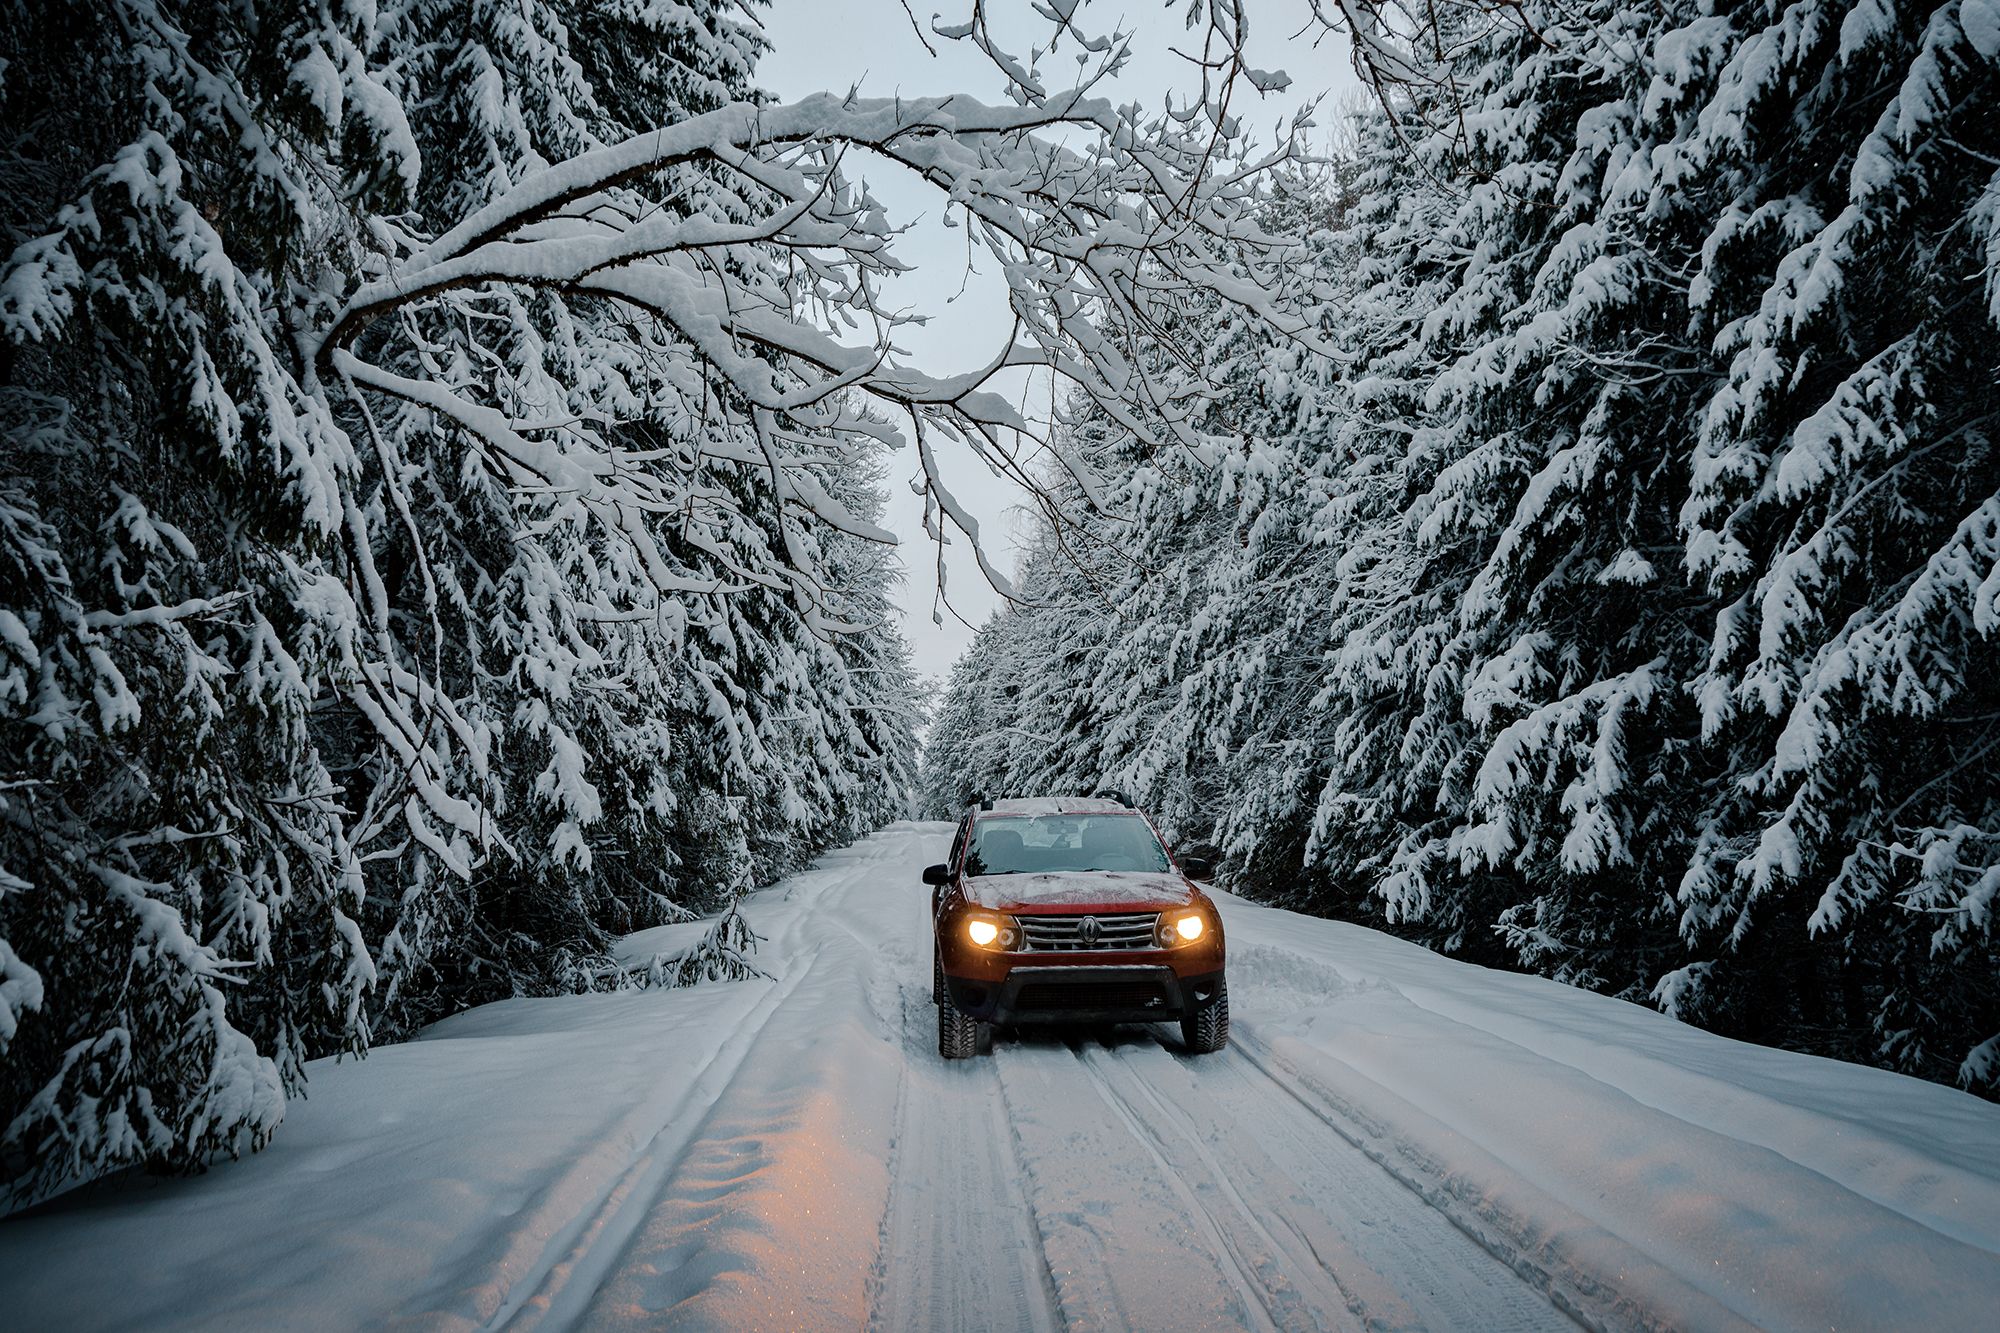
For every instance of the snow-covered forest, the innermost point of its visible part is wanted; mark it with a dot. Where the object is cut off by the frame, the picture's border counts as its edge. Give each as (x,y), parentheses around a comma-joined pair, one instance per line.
(1617,598)
(438,534)
(349,680)
(446,444)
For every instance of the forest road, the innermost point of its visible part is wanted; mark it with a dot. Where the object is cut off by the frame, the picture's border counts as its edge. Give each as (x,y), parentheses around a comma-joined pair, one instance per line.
(1099,1179)
(1392,1139)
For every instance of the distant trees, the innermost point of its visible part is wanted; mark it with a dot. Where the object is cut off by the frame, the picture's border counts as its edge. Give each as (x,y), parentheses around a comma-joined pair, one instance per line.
(1615,603)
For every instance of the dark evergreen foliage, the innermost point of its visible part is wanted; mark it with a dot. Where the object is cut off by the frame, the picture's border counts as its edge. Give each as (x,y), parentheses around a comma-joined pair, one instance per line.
(316,725)
(1620,608)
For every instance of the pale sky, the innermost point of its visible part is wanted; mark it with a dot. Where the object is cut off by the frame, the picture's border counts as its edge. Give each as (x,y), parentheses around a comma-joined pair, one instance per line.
(832,45)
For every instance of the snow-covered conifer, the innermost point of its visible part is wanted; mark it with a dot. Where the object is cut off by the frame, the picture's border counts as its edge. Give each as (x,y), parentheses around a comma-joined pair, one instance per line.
(1615,605)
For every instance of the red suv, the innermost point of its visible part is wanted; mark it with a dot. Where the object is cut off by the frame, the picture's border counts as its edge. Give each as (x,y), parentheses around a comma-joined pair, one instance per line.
(1069,910)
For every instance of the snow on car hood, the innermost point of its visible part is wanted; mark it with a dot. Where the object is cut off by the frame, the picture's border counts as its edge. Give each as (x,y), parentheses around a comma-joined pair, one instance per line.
(1077,888)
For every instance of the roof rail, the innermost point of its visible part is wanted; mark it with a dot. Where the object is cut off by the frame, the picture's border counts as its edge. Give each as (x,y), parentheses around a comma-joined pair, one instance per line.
(1117,796)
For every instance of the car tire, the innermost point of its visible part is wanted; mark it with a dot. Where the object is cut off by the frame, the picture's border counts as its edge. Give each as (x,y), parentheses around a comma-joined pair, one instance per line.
(958,1031)
(1206,1030)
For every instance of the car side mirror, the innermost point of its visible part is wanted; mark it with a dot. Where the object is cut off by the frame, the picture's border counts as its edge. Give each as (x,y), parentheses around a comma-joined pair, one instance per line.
(937,875)
(1198,867)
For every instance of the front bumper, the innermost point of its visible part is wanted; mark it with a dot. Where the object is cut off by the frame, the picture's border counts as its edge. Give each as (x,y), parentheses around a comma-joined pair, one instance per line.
(1102,993)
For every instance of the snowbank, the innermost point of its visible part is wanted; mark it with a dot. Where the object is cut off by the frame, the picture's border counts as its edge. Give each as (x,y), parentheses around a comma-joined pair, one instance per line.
(1656,1169)
(423,1180)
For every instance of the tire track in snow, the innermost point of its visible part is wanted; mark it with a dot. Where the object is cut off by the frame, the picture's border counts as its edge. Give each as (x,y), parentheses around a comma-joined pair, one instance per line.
(581,1254)
(1303,1288)
(959,1246)
(1271,1299)
(1531,1247)
(1401,1266)
(1128,1244)
(587,1249)
(1575,1296)
(938,1265)
(773,1218)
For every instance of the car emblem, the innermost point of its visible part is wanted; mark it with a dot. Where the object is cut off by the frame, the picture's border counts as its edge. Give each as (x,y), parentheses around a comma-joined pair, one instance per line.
(1088,930)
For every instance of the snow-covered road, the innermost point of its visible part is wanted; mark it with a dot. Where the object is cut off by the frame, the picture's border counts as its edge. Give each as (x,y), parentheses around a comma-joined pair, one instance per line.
(1393,1140)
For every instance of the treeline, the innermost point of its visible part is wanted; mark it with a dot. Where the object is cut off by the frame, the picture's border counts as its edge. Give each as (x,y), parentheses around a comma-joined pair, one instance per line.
(326,712)
(1620,600)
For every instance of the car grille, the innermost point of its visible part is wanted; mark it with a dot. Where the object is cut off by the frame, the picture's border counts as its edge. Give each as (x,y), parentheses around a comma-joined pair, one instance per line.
(1071,934)
(1091,996)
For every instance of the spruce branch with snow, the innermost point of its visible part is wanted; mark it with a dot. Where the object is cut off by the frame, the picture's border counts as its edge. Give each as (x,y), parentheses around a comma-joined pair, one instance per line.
(1619,608)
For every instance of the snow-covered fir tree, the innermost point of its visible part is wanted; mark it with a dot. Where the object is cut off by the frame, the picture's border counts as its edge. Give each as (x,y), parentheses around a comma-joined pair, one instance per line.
(182,893)
(1616,606)
(326,723)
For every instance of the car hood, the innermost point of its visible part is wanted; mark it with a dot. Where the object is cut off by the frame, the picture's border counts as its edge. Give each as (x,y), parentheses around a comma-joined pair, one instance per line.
(1063,891)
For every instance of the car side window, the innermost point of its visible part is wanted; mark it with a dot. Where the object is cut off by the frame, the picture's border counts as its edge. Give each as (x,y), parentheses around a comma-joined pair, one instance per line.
(958,842)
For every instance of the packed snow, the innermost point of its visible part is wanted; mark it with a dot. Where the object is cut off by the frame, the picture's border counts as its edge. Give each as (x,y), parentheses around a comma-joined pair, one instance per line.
(1395,1139)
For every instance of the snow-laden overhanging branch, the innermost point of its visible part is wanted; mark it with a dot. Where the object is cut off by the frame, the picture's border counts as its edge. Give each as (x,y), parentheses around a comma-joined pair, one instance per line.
(772,292)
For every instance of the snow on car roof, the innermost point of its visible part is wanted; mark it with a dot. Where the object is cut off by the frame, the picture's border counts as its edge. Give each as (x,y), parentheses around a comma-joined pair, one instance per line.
(1058,805)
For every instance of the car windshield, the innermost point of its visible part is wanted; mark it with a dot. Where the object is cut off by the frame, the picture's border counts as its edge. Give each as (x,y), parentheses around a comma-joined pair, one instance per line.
(1034,844)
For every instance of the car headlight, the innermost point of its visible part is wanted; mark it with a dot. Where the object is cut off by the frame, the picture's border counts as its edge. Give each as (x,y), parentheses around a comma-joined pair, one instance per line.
(991,932)
(1181,928)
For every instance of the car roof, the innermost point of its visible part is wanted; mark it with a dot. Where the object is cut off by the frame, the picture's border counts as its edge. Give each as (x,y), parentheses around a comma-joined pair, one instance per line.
(1058,805)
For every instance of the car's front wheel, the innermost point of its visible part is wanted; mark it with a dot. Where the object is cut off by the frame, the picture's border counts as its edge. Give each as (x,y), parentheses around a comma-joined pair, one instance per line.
(958,1031)
(1206,1030)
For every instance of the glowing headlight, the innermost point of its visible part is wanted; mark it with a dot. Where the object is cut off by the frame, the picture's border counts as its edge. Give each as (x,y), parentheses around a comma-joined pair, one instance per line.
(989,933)
(1185,928)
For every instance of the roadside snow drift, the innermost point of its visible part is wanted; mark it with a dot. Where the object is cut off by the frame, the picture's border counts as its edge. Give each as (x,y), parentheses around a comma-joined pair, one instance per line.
(1395,1140)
